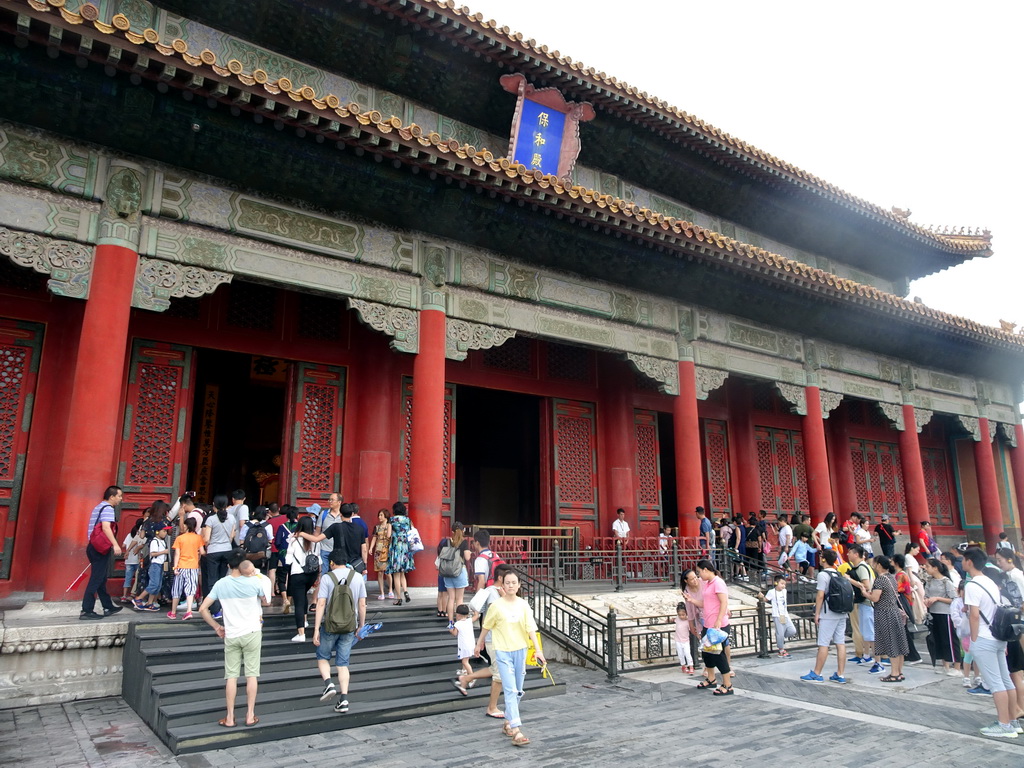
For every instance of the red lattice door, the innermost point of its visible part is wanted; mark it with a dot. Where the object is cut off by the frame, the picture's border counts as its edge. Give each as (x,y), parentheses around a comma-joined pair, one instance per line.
(936,484)
(878,479)
(648,473)
(781,470)
(312,444)
(157,413)
(448,449)
(20,346)
(574,466)
(716,466)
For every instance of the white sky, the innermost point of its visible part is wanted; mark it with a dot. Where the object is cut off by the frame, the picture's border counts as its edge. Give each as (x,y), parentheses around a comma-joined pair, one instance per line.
(906,103)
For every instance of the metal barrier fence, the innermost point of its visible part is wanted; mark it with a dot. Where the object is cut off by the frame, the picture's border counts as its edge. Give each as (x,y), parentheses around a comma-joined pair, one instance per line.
(617,644)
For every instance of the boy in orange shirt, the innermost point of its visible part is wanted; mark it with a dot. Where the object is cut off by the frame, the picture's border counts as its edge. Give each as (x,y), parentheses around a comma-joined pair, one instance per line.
(187,549)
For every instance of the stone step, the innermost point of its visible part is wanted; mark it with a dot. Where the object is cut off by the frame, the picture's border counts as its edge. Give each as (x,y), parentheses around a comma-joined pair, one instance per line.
(184,739)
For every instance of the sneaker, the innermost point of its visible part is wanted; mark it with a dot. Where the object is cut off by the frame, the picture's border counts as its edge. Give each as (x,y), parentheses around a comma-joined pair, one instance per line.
(866,660)
(1000,731)
(978,682)
(341,707)
(1017,726)
(915,661)
(876,669)
(187,616)
(811,677)
(885,662)
(89,616)
(153,608)
(218,615)
(967,682)
(138,606)
(980,690)
(954,673)
(299,639)
(330,691)
(835,678)
(172,615)
(855,659)
(112,610)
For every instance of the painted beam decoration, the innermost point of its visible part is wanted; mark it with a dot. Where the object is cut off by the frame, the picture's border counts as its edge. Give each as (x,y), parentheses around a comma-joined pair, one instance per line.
(546,128)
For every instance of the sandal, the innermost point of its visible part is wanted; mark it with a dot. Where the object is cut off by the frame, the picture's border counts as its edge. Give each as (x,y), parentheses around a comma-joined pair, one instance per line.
(723,690)
(507,730)
(890,679)
(900,678)
(520,740)
(398,602)
(706,684)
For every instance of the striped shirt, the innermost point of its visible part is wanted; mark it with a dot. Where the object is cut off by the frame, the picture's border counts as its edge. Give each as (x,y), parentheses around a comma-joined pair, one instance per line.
(101,513)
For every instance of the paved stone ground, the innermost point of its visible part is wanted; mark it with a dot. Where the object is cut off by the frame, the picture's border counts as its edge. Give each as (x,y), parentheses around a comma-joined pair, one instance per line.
(653,717)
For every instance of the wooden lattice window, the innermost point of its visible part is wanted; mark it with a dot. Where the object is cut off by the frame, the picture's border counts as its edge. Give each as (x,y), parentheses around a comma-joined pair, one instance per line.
(514,356)
(252,306)
(566,362)
(320,318)
(878,479)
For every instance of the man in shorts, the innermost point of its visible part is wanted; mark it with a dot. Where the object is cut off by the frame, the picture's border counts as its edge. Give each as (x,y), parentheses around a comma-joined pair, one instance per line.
(862,620)
(337,646)
(831,626)
(240,599)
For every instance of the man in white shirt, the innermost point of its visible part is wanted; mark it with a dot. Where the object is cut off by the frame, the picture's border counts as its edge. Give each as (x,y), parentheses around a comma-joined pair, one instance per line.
(981,596)
(242,632)
(620,528)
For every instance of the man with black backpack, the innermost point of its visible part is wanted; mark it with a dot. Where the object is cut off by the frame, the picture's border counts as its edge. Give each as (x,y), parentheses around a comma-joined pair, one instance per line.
(340,612)
(832,605)
(988,642)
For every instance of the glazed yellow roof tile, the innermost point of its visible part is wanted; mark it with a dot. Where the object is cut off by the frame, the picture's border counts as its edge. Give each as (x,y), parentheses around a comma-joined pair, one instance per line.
(663,228)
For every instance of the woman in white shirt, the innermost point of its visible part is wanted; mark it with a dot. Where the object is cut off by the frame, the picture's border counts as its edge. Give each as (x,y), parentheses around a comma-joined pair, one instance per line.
(299,581)
(823,531)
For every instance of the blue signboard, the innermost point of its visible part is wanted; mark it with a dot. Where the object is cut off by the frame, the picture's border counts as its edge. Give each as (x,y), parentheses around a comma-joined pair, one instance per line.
(539,140)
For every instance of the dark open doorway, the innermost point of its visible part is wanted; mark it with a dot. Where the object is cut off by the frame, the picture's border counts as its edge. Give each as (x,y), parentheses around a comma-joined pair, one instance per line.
(497,457)
(237,425)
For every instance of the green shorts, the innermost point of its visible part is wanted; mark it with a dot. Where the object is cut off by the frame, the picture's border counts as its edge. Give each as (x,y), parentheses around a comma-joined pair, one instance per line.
(245,648)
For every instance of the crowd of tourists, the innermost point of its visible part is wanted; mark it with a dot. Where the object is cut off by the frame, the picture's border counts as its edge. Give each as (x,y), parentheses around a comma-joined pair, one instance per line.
(233,561)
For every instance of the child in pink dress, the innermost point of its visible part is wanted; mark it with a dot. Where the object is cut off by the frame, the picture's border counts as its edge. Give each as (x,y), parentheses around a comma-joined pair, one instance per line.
(683,630)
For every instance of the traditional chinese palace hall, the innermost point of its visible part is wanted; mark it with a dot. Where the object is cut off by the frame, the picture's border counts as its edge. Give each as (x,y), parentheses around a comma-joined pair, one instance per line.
(396,249)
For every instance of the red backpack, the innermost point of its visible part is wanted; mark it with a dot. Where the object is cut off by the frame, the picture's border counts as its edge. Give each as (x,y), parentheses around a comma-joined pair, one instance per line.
(493,560)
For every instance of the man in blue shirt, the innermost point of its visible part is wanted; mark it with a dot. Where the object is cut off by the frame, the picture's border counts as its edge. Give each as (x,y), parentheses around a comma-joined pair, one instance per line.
(705,528)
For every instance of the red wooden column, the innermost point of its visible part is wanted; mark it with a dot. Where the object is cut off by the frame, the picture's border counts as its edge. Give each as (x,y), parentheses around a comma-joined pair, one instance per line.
(376,403)
(846,488)
(619,448)
(1017,465)
(427,452)
(686,430)
(94,417)
(913,473)
(741,432)
(988,488)
(819,484)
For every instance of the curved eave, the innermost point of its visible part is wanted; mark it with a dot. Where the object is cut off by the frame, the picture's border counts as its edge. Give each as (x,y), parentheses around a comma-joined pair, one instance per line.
(300,107)
(616,96)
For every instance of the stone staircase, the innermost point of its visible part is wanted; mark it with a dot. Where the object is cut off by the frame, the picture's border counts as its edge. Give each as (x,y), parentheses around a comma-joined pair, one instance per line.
(173,678)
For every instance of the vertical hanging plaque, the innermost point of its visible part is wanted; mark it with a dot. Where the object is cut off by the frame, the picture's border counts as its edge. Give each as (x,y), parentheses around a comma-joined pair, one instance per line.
(546,128)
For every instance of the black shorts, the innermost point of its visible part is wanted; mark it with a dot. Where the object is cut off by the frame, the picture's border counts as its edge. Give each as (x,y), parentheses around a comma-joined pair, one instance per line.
(1014,656)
